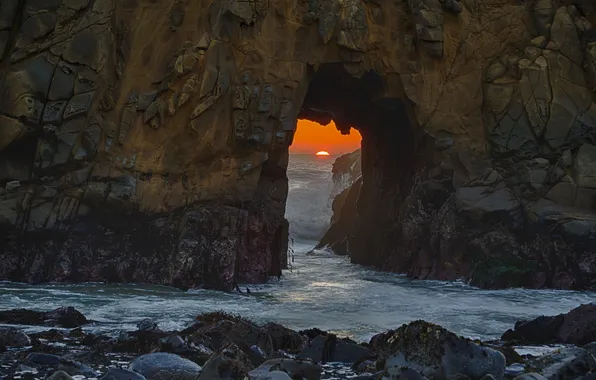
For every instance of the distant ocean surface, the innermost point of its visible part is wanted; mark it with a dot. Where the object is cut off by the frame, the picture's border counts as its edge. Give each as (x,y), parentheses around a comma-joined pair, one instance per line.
(321,290)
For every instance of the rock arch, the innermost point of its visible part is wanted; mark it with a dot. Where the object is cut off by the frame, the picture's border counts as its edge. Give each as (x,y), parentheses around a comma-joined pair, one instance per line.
(154,136)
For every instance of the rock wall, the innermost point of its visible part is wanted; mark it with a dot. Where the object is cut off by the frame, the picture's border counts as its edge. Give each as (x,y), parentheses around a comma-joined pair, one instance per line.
(147,140)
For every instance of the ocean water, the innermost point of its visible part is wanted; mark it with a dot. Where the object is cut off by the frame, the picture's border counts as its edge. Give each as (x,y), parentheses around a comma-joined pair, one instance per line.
(321,290)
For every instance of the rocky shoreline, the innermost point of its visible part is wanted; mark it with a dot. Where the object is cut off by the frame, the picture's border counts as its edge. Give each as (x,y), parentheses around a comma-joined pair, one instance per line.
(220,346)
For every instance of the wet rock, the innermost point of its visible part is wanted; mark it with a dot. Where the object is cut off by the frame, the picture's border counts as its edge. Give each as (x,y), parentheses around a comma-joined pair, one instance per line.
(345,352)
(401,373)
(43,359)
(567,363)
(576,327)
(165,366)
(330,349)
(75,368)
(147,325)
(122,374)
(174,342)
(274,375)
(591,347)
(223,367)
(221,329)
(60,375)
(538,331)
(12,337)
(530,376)
(436,352)
(297,369)
(68,317)
(284,338)
(514,369)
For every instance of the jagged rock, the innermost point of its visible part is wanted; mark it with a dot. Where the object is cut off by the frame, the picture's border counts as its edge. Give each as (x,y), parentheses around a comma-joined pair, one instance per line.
(284,338)
(330,349)
(436,352)
(11,337)
(575,327)
(164,366)
(230,364)
(461,81)
(566,363)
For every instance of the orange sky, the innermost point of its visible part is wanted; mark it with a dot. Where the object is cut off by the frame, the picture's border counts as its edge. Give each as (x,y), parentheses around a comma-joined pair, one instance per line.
(312,137)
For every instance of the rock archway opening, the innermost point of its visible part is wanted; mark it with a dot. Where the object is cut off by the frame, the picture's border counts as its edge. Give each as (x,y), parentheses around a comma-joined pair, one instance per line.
(393,148)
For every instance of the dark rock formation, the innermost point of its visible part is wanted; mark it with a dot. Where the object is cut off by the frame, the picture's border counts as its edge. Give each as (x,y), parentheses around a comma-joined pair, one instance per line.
(67,317)
(150,143)
(436,353)
(11,337)
(576,327)
(222,347)
(347,181)
(568,363)
(164,366)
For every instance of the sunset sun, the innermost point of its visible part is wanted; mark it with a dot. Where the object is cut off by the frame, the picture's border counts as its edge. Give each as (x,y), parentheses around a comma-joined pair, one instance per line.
(322,153)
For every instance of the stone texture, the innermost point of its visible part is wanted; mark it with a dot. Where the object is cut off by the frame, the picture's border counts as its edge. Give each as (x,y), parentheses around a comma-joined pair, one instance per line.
(100,125)
(436,353)
(165,366)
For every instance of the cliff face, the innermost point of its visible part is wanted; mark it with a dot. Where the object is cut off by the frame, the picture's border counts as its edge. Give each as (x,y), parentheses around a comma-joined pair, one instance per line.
(147,141)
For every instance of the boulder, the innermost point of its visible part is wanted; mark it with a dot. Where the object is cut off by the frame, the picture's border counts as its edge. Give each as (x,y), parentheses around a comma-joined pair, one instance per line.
(301,369)
(401,373)
(575,327)
(274,375)
(122,374)
(165,366)
(43,359)
(60,375)
(329,348)
(541,330)
(147,325)
(564,364)
(284,338)
(67,317)
(436,353)
(227,365)
(530,376)
(219,330)
(75,368)
(12,337)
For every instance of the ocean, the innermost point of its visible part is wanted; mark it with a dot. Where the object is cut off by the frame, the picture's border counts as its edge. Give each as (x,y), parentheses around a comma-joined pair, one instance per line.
(320,290)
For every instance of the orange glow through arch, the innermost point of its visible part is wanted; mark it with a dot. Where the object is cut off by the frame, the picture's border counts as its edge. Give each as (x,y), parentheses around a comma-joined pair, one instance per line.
(312,137)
